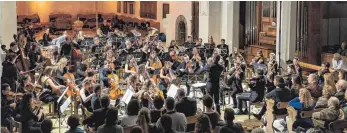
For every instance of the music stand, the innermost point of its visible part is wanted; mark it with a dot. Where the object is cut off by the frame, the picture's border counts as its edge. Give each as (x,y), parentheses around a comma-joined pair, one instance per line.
(62,109)
(201,50)
(223,52)
(193,79)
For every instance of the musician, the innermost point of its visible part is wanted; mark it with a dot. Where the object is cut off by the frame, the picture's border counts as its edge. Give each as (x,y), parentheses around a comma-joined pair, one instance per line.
(14,48)
(197,59)
(81,72)
(297,66)
(99,115)
(183,65)
(9,71)
(235,78)
(28,119)
(272,66)
(58,41)
(223,47)
(257,85)
(342,51)
(103,73)
(7,106)
(34,56)
(130,66)
(145,93)
(324,70)
(99,33)
(198,43)
(214,72)
(87,93)
(259,58)
(3,48)
(128,48)
(96,46)
(165,77)
(46,39)
(29,33)
(105,28)
(153,63)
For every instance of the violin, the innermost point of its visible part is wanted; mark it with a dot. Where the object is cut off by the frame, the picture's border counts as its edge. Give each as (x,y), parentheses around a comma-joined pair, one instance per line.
(71,84)
(15,97)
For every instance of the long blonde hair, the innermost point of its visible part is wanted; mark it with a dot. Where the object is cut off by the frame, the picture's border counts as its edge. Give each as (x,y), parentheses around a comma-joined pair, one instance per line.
(305,97)
(143,119)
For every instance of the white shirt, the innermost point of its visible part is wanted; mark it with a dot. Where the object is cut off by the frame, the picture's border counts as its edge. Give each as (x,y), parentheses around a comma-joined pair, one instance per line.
(337,65)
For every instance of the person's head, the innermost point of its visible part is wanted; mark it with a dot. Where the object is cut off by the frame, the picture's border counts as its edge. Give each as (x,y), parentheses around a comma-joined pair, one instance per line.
(343,45)
(328,91)
(195,50)
(181,93)
(327,65)
(5,88)
(73,121)
(14,46)
(105,101)
(296,80)
(216,58)
(46,126)
(168,64)
(312,78)
(143,119)
(260,72)
(272,56)
(65,33)
(222,41)
(346,95)
(260,53)
(189,38)
(291,68)
(210,39)
(3,47)
(203,124)
(207,101)
(186,58)
(341,85)
(279,81)
(258,130)
(105,22)
(11,57)
(133,107)
(47,31)
(136,129)
(305,97)
(329,80)
(337,56)
(296,61)
(87,84)
(342,75)
(166,122)
(131,59)
(334,102)
(158,102)
(229,115)
(170,103)
(111,117)
(27,101)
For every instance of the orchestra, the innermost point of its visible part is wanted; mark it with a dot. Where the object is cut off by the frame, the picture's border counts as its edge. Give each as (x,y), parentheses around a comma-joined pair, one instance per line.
(141,65)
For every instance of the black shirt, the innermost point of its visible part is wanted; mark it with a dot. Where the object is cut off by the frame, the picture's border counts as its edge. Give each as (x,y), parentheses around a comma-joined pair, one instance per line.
(214,118)
(235,128)
(155,115)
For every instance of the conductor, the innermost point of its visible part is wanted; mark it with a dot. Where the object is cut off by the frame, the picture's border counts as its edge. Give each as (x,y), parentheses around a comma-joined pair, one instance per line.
(214,72)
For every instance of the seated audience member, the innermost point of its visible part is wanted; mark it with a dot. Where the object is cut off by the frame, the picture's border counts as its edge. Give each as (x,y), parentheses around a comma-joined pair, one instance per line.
(187,106)
(255,95)
(344,104)
(46,126)
(342,50)
(341,86)
(98,116)
(166,124)
(132,111)
(322,102)
(325,69)
(338,63)
(179,120)
(342,75)
(331,113)
(157,111)
(313,87)
(210,112)
(203,124)
(296,86)
(73,122)
(302,103)
(27,117)
(136,129)
(258,130)
(111,125)
(279,94)
(143,121)
(230,127)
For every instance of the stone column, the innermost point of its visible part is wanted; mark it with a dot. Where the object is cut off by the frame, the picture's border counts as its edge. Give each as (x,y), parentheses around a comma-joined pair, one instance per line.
(230,22)
(204,15)
(8,21)
(286,31)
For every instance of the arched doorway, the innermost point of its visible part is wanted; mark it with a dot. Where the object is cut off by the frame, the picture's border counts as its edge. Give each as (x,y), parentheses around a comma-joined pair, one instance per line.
(181,29)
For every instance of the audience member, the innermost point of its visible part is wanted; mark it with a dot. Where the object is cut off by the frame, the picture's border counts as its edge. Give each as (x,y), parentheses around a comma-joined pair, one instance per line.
(296,86)
(157,111)
(258,130)
(46,126)
(344,104)
(179,120)
(342,75)
(338,63)
(133,109)
(342,50)
(73,122)
(331,113)
(322,102)
(136,129)
(143,121)
(303,103)
(98,116)
(231,127)
(313,87)
(203,124)
(341,86)
(111,125)
(210,112)
(166,124)
(187,106)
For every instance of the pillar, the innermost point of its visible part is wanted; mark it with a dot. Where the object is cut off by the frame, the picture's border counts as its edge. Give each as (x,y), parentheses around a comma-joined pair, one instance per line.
(286,31)
(8,22)
(210,20)
(230,23)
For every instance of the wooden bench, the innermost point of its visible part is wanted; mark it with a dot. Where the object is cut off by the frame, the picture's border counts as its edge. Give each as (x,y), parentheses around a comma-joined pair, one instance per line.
(270,117)
(292,113)
(17,126)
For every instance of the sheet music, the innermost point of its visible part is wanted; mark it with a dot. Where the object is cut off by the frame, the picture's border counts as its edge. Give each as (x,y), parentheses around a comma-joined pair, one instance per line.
(127,96)
(62,95)
(197,85)
(65,105)
(172,91)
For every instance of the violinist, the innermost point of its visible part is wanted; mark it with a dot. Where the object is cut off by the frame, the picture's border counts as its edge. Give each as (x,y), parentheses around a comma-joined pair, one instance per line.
(33,89)
(29,120)
(81,72)
(224,47)
(235,78)
(165,77)
(46,39)
(107,68)
(198,43)
(153,63)
(196,59)
(132,84)
(259,58)
(288,75)
(145,93)
(9,71)
(34,56)
(66,48)
(7,106)
(87,93)
(96,98)
(128,48)
(95,48)
(143,73)
(183,65)
(130,66)
(272,66)
(61,70)
(49,83)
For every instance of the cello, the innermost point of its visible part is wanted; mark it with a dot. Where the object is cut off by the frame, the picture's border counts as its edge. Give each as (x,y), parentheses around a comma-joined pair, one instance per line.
(72,91)
(115,91)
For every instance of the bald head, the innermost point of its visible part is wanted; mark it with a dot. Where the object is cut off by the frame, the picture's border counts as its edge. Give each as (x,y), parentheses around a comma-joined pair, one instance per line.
(341,85)
(333,102)
(312,78)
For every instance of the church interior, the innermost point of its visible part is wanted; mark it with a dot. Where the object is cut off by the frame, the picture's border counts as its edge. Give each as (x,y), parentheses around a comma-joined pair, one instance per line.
(173,66)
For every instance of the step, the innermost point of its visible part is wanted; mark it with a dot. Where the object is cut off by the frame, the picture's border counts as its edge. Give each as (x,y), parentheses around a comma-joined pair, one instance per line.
(268,40)
(271,34)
